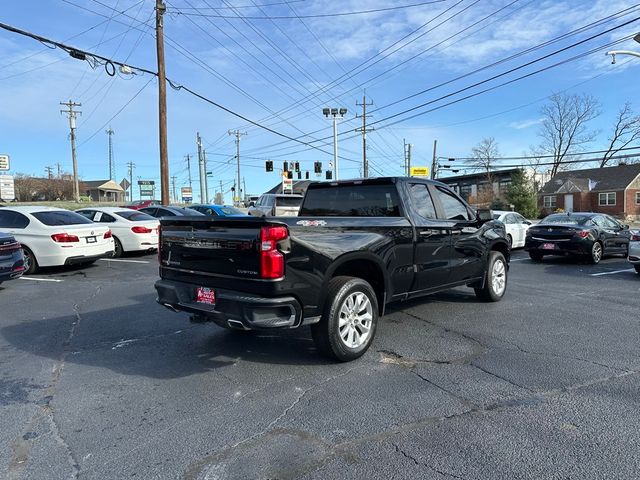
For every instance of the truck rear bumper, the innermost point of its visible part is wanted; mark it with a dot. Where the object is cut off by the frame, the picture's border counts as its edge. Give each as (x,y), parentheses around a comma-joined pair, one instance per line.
(232,309)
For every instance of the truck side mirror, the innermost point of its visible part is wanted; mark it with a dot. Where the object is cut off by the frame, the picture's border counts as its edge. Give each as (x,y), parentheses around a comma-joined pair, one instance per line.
(484,215)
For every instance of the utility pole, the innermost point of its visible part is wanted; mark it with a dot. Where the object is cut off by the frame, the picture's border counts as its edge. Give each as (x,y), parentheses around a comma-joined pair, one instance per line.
(162,104)
(49,171)
(206,176)
(244,188)
(173,188)
(221,193)
(237,134)
(59,170)
(72,126)
(188,158)
(409,146)
(202,173)
(434,162)
(112,167)
(364,130)
(131,166)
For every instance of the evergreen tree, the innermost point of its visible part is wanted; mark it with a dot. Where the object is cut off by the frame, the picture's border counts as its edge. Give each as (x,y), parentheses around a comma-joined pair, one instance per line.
(520,193)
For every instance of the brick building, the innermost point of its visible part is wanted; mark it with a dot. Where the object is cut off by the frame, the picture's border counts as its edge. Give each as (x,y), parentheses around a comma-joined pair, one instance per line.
(611,190)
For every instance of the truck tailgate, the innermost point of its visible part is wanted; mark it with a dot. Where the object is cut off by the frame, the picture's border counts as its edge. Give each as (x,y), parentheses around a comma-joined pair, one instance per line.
(226,247)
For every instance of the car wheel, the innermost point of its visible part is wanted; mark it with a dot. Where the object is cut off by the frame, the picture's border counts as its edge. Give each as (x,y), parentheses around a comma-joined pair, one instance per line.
(510,241)
(596,253)
(30,262)
(536,256)
(349,321)
(637,267)
(495,283)
(117,248)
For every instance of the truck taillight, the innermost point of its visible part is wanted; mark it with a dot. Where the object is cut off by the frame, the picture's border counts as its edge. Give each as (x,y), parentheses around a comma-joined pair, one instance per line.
(159,230)
(64,238)
(271,259)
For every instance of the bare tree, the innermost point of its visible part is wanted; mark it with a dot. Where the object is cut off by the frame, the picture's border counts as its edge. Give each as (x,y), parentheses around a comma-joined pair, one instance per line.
(484,156)
(564,129)
(626,131)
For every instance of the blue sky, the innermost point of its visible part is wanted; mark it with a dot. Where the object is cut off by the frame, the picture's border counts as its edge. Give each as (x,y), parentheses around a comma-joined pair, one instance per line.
(280,72)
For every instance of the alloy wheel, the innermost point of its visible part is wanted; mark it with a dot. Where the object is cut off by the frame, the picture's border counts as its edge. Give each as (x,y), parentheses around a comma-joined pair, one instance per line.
(498,277)
(356,317)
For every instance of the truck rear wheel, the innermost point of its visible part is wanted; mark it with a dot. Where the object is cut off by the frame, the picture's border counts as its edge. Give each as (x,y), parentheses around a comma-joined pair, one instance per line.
(495,282)
(349,321)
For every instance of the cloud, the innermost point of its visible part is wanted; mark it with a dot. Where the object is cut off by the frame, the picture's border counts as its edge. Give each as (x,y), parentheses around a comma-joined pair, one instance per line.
(526,123)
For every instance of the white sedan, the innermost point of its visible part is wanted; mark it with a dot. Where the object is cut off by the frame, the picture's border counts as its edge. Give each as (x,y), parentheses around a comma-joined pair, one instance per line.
(54,236)
(516,226)
(132,230)
(634,249)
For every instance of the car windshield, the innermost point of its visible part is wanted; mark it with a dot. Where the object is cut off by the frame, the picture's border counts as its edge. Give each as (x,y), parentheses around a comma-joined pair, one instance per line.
(286,201)
(565,219)
(231,211)
(61,217)
(135,216)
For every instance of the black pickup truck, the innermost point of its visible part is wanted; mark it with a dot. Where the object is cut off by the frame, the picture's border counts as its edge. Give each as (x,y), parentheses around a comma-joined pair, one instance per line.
(355,247)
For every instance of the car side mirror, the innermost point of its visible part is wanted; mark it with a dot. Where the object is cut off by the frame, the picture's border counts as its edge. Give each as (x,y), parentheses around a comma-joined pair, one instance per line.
(625,227)
(252,204)
(484,215)
(527,222)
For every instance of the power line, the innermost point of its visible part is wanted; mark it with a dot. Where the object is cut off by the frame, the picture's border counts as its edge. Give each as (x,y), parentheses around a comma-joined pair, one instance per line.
(320,15)
(535,157)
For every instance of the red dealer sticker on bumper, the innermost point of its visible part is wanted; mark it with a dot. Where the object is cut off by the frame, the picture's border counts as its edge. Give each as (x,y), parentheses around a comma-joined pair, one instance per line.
(206,295)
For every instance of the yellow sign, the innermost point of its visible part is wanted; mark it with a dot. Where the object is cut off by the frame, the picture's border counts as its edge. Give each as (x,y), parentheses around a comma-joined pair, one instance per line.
(419,171)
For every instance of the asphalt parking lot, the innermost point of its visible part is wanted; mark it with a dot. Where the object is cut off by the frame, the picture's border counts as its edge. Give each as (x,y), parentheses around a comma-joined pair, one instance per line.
(98,381)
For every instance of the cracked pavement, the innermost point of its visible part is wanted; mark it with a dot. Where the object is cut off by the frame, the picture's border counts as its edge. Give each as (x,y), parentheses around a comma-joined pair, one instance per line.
(98,381)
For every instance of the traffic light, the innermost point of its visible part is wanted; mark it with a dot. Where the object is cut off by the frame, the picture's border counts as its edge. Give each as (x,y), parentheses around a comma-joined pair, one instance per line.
(317,167)
(285,167)
(299,175)
(306,175)
(297,166)
(269,166)
(290,175)
(329,174)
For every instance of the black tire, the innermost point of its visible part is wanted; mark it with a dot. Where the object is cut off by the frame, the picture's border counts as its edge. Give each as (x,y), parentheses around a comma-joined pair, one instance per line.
(30,262)
(510,241)
(637,267)
(536,256)
(495,282)
(327,336)
(117,248)
(596,253)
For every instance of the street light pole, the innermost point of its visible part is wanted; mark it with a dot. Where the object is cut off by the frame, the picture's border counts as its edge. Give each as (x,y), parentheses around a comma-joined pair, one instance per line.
(335,112)
(613,53)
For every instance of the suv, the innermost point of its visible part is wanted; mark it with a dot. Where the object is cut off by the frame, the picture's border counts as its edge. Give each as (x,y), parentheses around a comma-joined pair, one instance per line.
(276,205)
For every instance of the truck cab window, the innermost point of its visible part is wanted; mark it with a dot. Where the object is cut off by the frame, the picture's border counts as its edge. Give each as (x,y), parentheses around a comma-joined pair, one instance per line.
(453,208)
(422,201)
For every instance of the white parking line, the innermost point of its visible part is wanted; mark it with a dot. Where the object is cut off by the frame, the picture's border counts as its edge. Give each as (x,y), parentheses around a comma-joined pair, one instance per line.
(122,260)
(612,273)
(41,279)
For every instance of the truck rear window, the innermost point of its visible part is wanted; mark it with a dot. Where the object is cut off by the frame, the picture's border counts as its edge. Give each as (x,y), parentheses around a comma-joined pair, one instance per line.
(351,201)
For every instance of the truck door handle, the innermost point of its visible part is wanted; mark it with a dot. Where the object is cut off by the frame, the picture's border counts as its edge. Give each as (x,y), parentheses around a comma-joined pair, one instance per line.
(429,232)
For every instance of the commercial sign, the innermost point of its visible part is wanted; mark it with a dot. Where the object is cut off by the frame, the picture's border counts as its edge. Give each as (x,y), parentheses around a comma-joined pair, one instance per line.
(147,188)
(7,189)
(419,171)
(4,162)
(287,184)
(187,194)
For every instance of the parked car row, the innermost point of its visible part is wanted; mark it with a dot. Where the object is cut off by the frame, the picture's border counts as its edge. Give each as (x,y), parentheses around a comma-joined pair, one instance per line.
(32,237)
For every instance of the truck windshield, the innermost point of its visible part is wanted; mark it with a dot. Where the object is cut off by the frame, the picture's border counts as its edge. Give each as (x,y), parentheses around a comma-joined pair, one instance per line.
(347,200)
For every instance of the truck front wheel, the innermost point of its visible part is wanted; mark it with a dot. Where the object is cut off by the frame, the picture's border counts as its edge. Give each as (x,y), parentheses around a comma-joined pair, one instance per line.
(495,282)
(349,321)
